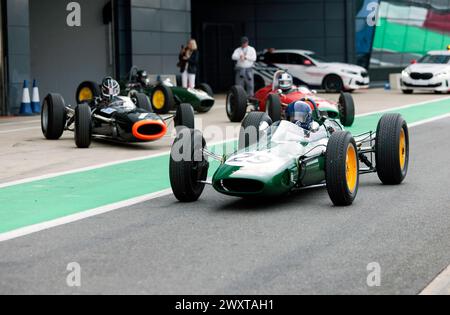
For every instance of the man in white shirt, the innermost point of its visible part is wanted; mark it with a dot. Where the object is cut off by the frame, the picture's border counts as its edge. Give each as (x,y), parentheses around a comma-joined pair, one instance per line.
(245,57)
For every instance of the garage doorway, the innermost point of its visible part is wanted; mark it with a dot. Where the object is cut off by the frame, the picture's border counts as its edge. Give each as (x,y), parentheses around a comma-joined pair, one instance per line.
(218,42)
(62,56)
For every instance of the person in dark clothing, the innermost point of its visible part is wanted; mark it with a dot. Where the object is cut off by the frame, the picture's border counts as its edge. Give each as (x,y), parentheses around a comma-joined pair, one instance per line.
(189,59)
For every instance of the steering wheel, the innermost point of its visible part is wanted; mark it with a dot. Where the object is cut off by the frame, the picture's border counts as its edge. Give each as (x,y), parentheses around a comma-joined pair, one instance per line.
(316,108)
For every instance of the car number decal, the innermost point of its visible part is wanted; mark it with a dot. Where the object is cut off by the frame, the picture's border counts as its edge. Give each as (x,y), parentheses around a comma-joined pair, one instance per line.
(248,158)
(108,111)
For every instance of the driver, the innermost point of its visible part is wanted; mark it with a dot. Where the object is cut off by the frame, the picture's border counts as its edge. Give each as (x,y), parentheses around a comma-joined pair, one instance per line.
(300,113)
(142,77)
(110,89)
(285,82)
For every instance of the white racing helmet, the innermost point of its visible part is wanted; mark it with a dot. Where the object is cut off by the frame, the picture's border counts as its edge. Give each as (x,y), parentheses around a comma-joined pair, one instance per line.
(110,88)
(285,81)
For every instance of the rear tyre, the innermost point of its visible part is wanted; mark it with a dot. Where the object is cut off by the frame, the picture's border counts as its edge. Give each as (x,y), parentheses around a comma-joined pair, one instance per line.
(346,107)
(162,99)
(273,107)
(206,88)
(185,117)
(53,116)
(188,166)
(143,102)
(87,91)
(408,91)
(83,126)
(392,149)
(342,169)
(251,128)
(333,84)
(236,105)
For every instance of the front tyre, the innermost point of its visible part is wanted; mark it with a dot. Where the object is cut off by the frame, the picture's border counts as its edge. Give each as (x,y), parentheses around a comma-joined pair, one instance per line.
(185,116)
(53,116)
(392,149)
(273,107)
(83,126)
(251,128)
(143,102)
(346,108)
(342,169)
(188,166)
(236,105)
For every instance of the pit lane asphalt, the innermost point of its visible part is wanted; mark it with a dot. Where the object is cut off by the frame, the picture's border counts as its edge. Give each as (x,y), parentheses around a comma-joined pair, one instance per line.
(222,245)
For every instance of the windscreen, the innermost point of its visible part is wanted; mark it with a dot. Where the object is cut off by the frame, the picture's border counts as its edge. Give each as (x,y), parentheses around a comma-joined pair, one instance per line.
(436,59)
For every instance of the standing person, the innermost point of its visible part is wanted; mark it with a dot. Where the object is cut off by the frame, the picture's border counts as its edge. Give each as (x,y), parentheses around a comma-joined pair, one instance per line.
(245,57)
(189,64)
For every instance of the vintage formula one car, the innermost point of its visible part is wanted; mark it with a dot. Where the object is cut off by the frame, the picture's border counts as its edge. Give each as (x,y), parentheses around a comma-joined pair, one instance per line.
(285,158)
(167,95)
(274,101)
(122,119)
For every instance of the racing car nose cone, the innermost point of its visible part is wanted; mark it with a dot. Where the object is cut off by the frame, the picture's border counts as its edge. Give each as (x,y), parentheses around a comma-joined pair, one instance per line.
(149,130)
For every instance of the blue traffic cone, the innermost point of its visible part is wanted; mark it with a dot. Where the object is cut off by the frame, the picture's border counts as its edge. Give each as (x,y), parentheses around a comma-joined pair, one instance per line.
(25,107)
(35,99)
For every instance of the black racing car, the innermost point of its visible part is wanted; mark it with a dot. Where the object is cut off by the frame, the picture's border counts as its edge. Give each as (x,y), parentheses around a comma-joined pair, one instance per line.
(117,118)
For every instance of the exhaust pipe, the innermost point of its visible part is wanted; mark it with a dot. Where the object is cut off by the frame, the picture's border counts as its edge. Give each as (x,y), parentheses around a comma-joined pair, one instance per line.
(149,130)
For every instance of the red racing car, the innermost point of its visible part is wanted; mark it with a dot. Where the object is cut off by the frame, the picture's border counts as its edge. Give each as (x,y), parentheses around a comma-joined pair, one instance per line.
(274,99)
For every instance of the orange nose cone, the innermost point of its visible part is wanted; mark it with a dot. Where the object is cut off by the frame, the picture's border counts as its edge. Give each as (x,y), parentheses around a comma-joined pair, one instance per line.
(149,130)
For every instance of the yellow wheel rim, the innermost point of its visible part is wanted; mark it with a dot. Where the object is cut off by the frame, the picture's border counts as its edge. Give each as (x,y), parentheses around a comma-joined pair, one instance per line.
(351,168)
(159,99)
(402,149)
(86,94)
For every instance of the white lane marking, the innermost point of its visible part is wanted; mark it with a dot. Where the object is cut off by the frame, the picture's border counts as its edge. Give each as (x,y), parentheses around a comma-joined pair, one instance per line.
(80,216)
(427,121)
(94,167)
(19,123)
(404,107)
(19,130)
(440,285)
(112,207)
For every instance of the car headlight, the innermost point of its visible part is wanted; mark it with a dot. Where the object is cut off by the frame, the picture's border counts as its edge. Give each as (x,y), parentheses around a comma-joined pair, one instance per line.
(405,73)
(441,74)
(349,72)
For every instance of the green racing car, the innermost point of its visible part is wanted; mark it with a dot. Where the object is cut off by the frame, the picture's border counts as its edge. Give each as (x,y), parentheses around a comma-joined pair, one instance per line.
(165,96)
(275,159)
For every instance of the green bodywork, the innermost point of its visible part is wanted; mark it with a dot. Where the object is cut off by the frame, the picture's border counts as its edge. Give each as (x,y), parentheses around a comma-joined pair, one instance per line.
(284,159)
(199,99)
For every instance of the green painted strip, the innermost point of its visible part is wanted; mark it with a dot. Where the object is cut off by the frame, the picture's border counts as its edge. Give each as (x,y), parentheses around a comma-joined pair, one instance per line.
(44,200)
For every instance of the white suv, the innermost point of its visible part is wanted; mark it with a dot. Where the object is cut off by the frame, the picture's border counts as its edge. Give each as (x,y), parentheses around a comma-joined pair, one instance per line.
(431,73)
(314,71)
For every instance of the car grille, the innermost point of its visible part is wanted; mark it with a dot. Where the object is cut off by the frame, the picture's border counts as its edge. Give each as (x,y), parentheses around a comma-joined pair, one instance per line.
(242,185)
(421,76)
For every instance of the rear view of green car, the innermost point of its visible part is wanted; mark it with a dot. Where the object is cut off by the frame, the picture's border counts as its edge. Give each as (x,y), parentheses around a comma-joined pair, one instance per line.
(165,95)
